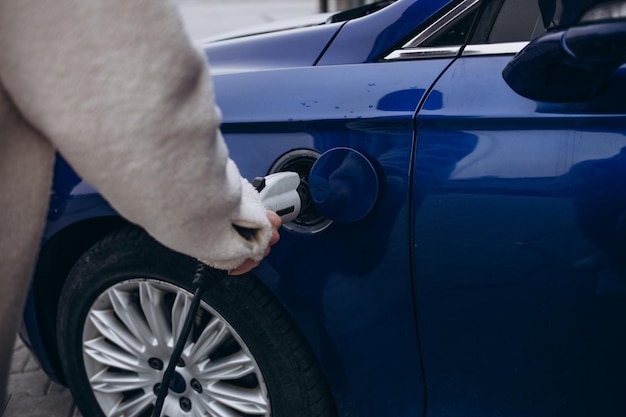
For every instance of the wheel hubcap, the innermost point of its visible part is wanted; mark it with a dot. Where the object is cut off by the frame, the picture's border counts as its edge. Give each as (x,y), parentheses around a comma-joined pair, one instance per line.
(129,336)
(177,383)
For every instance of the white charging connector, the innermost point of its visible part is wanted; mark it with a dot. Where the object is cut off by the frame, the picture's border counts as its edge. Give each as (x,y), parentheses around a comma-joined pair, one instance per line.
(279,193)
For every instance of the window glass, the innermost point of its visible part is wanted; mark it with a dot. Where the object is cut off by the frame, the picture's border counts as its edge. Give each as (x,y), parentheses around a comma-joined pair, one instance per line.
(509,21)
(518,20)
(455,33)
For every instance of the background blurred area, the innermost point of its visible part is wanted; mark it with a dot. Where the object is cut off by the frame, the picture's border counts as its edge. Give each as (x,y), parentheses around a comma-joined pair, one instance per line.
(206,18)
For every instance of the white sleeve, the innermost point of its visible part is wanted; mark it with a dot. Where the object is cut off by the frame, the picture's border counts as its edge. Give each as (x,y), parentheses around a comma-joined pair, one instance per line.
(127,100)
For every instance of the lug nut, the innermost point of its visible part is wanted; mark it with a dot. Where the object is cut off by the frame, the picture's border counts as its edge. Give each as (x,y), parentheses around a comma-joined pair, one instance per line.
(180,363)
(196,385)
(185,404)
(156,388)
(155,363)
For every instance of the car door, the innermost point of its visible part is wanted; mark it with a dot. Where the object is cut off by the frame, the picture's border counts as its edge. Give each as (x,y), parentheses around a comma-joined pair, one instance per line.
(518,237)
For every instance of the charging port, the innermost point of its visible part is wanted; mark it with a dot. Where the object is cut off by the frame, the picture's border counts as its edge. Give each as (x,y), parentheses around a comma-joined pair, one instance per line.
(301,161)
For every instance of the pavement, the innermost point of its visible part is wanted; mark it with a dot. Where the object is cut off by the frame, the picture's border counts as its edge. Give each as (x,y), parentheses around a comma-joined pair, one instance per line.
(30,392)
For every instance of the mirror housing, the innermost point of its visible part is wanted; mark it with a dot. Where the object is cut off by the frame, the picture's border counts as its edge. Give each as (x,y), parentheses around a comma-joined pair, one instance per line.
(571,65)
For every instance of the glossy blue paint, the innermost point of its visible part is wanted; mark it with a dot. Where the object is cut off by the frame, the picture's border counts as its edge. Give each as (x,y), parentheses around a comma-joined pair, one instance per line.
(343,185)
(526,199)
(350,281)
(72,200)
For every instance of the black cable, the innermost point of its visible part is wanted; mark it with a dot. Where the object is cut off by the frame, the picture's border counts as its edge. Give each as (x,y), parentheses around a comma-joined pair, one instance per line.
(200,282)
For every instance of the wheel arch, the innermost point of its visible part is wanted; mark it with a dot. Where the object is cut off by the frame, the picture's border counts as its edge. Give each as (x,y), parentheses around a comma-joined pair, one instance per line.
(120,248)
(56,258)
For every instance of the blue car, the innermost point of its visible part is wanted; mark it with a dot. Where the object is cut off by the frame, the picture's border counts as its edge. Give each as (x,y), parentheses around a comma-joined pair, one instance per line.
(461,250)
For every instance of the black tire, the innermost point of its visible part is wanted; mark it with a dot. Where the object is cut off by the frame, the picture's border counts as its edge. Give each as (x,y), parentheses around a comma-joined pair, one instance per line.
(106,368)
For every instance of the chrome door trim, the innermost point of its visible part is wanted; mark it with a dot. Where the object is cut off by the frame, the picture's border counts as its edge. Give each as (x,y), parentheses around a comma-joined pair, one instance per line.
(423,53)
(504,48)
(412,49)
(440,23)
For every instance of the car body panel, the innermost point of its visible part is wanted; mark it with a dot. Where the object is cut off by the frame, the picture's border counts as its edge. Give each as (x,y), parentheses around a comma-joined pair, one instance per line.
(356,282)
(294,48)
(523,196)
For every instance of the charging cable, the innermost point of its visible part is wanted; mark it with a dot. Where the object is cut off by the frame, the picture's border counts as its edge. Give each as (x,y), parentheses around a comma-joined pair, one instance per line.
(278,193)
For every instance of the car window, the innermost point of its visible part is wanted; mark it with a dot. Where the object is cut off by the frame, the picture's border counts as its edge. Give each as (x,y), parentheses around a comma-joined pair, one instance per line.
(508,21)
(501,25)
(455,33)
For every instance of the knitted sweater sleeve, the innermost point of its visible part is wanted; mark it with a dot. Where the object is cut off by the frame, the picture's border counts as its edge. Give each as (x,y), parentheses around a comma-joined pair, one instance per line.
(118,88)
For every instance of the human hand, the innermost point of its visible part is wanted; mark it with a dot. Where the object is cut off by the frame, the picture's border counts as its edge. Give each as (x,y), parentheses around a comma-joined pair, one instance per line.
(250,264)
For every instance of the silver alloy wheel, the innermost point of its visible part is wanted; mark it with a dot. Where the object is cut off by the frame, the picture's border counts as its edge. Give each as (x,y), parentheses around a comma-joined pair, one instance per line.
(129,334)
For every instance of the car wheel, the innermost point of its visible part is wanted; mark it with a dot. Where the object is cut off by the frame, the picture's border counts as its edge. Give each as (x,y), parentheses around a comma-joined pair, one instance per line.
(120,309)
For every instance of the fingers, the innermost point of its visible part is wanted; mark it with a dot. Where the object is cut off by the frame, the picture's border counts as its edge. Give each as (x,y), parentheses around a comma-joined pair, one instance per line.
(274,218)
(244,268)
(249,265)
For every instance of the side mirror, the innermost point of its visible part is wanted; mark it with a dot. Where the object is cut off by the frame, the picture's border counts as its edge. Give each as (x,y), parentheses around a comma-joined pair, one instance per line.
(573,64)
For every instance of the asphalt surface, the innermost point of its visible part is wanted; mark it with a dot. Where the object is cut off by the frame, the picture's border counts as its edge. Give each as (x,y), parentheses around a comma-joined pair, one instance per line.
(30,391)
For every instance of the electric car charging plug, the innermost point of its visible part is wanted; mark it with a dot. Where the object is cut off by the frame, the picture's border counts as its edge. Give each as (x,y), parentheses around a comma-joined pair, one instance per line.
(278,193)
